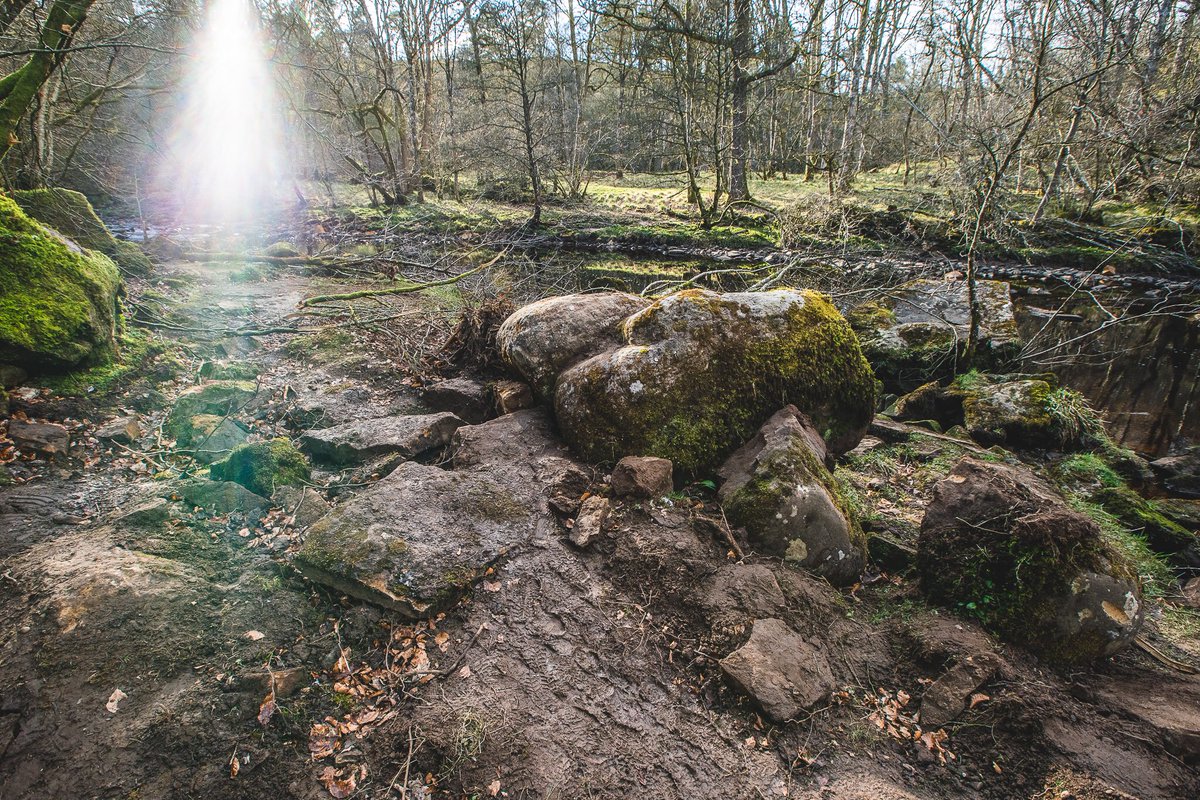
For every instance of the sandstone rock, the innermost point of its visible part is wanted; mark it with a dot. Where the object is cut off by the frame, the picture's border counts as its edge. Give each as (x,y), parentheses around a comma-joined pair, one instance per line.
(514,441)
(542,339)
(698,372)
(778,487)
(43,437)
(213,437)
(916,333)
(1011,413)
(224,497)
(642,476)
(304,505)
(11,376)
(356,442)
(215,398)
(124,430)
(949,695)
(1190,594)
(589,525)
(512,396)
(783,673)
(1000,544)
(1180,473)
(263,466)
(463,397)
(890,553)
(419,538)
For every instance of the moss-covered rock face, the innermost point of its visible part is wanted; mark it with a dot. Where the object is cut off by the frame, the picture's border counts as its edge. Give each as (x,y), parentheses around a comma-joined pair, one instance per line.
(72,215)
(1000,544)
(263,466)
(58,303)
(1010,413)
(777,487)
(699,372)
(917,333)
(215,398)
(283,250)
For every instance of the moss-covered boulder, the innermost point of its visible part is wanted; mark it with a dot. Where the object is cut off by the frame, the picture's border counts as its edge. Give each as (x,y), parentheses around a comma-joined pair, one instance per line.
(698,372)
(72,215)
(58,303)
(779,488)
(1145,519)
(263,466)
(542,339)
(998,543)
(282,250)
(212,399)
(917,332)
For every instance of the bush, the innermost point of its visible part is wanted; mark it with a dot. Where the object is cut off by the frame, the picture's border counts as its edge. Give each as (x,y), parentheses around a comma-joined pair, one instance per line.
(820,216)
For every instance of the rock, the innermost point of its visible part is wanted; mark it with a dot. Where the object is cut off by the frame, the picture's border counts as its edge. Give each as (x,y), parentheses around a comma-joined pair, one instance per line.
(512,441)
(1190,594)
(304,505)
(43,437)
(746,590)
(1010,413)
(917,332)
(419,538)
(542,339)
(356,442)
(783,673)
(778,487)
(593,513)
(950,695)
(1179,474)
(58,302)
(229,371)
(698,372)
(215,398)
(123,430)
(512,396)
(642,476)
(999,543)
(152,513)
(890,553)
(283,682)
(11,376)
(72,215)
(282,250)
(463,397)
(263,466)
(213,437)
(930,401)
(224,497)
(1144,518)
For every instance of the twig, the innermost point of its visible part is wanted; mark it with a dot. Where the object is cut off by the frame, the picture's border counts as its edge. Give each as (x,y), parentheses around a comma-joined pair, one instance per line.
(416,287)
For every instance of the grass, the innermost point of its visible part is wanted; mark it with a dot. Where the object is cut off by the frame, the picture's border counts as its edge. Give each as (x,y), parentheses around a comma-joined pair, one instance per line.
(1156,574)
(137,348)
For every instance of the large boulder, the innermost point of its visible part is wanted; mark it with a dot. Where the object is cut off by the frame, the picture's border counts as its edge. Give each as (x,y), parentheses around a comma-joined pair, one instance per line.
(58,302)
(695,373)
(542,339)
(1000,544)
(262,467)
(779,488)
(916,333)
(189,419)
(72,215)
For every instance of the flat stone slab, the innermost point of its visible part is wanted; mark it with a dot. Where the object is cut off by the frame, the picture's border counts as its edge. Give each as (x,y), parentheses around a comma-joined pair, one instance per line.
(361,440)
(783,673)
(420,538)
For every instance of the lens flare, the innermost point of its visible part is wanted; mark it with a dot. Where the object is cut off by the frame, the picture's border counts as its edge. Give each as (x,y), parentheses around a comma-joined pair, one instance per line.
(224,161)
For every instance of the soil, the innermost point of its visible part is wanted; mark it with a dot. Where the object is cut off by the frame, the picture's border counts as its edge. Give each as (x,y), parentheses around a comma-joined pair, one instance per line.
(152,649)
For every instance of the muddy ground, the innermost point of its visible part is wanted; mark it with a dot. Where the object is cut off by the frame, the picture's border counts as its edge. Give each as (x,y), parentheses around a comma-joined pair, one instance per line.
(154,648)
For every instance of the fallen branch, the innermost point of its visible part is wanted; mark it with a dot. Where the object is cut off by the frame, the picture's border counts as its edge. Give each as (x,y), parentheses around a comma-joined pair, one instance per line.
(409,289)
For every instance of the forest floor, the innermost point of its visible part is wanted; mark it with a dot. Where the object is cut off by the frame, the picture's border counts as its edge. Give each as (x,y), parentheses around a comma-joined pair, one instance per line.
(158,644)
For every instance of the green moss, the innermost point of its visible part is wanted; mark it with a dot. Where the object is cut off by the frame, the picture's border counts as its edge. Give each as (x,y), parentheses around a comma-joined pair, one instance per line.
(72,215)
(283,250)
(1087,468)
(58,306)
(1154,572)
(217,398)
(136,350)
(229,371)
(263,466)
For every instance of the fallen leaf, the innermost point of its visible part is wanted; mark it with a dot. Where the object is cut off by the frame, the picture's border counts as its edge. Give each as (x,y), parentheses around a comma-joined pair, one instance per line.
(254,636)
(977,698)
(494,788)
(235,764)
(491,586)
(465,672)
(337,785)
(114,700)
(267,709)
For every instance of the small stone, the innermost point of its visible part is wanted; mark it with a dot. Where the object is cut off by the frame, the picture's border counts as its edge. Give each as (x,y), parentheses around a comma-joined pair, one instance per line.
(123,430)
(44,437)
(590,522)
(949,695)
(783,673)
(642,476)
(305,506)
(462,397)
(1191,594)
(512,396)
(11,376)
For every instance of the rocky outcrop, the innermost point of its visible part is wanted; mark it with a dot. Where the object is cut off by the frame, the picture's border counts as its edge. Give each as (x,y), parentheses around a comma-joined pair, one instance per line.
(462,397)
(917,332)
(58,302)
(1000,544)
(219,399)
(642,476)
(1179,473)
(72,215)
(693,375)
(779,488)
(359,441)
(782,672)
(542,339)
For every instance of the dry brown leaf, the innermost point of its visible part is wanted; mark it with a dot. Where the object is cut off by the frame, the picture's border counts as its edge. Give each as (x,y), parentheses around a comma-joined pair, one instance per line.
(254,636)
(267,709)
(114,700)
(491,586)
(494,788)
(337,785)
(977,698)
